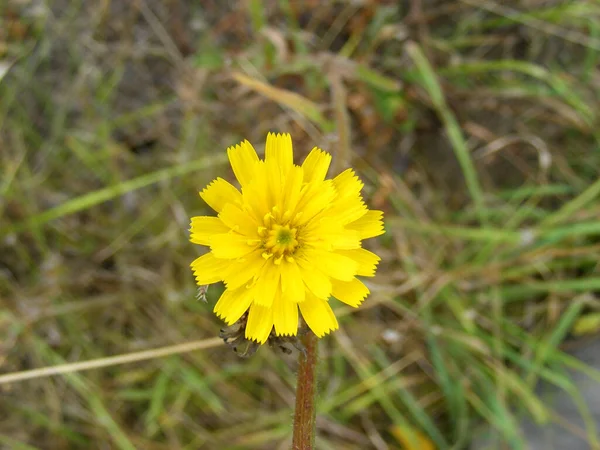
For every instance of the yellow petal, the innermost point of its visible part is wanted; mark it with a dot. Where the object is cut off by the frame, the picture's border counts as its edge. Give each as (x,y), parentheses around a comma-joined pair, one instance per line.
(350,292)
(231,245)
(329,233)
(367,261)
(333,264)
(316,165)
(348,205)
(292,286)
(256,194)
(218,193)
(315,280)
(369,225)
(242,270)
(318,315)
(232,304)
(347,209)
(292,189)
(266,285)
(278,150)
(285,316)
(345,239)
(274,183)
(315,197)
(260,323)
(203,227)
(243,159)
(348,184)
(208,269)
(278,160)
(239,220)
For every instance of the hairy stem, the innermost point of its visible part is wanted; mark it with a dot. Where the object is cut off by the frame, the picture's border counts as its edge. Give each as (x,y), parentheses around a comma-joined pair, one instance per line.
(306,393)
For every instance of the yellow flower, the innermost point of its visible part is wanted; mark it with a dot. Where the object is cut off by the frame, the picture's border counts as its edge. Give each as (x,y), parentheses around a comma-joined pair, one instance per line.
(289,240)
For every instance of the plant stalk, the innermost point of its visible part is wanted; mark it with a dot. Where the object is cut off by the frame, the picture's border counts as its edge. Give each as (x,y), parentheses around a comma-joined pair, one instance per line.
(306,393)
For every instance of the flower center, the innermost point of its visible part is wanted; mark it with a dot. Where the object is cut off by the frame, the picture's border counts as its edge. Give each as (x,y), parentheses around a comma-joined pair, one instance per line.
(279,239)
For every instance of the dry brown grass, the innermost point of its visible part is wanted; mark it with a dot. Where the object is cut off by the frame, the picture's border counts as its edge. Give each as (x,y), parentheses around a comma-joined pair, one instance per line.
(474,126)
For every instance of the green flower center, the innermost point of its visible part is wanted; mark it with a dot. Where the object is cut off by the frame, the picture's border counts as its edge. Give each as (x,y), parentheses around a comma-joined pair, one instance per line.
(285,236)
(279,236)
(281,240)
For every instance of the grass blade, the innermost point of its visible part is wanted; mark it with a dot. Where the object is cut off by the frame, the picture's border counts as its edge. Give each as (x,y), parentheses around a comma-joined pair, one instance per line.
(102,195)
(434,90)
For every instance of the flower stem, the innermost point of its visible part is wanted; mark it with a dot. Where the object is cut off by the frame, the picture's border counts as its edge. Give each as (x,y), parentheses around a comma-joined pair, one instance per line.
(306,393)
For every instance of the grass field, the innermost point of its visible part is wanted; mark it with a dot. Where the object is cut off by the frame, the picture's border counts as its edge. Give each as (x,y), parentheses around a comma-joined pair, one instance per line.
(474,124)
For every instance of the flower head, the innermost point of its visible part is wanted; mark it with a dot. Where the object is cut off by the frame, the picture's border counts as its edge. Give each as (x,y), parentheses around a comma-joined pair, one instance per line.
(286,242)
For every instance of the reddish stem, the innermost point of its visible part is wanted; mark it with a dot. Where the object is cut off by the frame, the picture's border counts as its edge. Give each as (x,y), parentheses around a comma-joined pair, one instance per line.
(306,393)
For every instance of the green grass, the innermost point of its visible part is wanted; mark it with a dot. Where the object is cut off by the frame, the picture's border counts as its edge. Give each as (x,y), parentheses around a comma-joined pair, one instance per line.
(474,127)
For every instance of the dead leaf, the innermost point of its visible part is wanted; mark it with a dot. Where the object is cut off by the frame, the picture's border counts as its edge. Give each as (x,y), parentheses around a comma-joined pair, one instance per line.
(587,324)
(286,98)
(411,438)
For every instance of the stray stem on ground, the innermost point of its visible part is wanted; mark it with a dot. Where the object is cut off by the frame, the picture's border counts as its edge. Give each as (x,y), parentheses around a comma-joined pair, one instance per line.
(306,393)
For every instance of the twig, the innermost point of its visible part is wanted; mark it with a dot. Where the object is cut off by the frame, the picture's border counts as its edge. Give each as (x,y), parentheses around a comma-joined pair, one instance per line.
(111,360)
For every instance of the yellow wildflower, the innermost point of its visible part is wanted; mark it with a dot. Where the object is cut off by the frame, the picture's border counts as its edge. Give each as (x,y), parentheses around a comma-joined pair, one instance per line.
(289,240)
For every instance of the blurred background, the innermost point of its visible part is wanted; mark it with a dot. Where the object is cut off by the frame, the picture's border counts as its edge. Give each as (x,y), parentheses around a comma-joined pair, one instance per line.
(474,124)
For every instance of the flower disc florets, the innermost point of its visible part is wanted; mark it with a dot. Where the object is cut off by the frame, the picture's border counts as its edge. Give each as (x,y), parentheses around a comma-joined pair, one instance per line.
(286,242)
(279,241)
